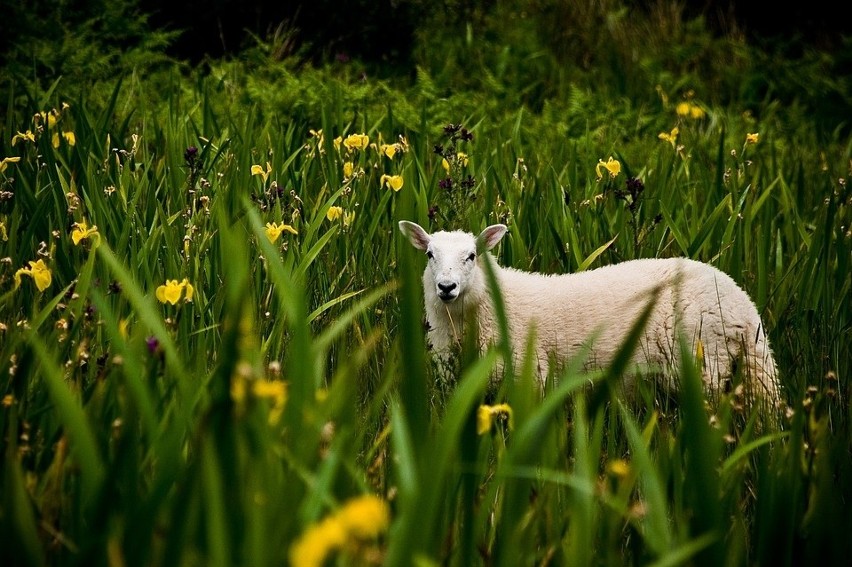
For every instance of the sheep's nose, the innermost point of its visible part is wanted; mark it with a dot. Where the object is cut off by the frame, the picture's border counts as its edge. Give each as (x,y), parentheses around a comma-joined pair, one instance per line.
(447,288)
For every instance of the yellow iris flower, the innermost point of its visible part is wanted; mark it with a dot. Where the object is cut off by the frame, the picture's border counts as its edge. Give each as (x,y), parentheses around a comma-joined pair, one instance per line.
(258,170)
(273,231)
(752,138)
(356,142)
(27,136)
(6,161)
(670,137)
(486,415)
(172,290)
(82,231)
(38,271)
(611,165)
(392,181)
(361,519)
(334,213)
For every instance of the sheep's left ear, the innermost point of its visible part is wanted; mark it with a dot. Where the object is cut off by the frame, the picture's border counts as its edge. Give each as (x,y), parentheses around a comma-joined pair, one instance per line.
(489,237)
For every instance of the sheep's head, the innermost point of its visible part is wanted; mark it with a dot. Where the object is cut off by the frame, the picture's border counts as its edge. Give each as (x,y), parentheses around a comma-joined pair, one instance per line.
(452,255)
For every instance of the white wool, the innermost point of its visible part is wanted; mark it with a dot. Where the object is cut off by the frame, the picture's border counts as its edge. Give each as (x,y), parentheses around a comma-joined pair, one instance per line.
(596,309)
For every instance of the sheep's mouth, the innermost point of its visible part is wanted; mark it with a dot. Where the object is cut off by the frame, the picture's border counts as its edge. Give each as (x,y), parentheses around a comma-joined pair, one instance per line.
(447,297)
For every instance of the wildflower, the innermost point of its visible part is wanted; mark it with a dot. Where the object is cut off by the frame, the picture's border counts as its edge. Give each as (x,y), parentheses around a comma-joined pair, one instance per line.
(4,236)
(190,155)
(486,415)
(388,149)
(392,181)
(611,165)
(334,213)
(752,138)
(356,142)
(688,109)
(6,161)
(461,159)
(317,543)
(361,519)
(348,168)
(153,344)
(27,136)
(172,290)
(274,390)
(670,137)
(38,271)
(82,232)
(273,231)
(365,517)
(618,468)
(68,136)
(258,170)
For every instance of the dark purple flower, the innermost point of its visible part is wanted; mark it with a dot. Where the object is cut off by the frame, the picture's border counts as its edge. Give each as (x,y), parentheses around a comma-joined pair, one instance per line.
(153,344)
(190,154)
(446,183)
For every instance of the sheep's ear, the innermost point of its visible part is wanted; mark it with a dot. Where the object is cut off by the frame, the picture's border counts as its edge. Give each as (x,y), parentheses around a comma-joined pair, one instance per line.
(489,237)
(414,232)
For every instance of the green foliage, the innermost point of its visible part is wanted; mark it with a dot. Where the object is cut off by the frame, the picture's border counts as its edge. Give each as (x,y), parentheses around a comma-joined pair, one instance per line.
(290,374)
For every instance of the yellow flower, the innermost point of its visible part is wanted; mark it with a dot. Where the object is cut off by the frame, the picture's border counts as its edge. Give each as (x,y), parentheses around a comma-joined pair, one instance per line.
(348,168)
(611,165)
(359,519)
(334,213)
(365,517)
(171,291)
(70,138)
(486,415)
(348,218)
(392,181)
(38,271)
(752,138)
(356,142)
(687,109)
(618,468)
(27,136)
(317,543)
(273,231)
(670,137)
(461,159)
(4,236)
(388,149)
(258,170)
(6,161)
(274,390)
(82,232)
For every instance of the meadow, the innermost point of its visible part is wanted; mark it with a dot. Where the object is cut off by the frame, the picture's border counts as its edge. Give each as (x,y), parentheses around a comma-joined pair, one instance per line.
(212,341)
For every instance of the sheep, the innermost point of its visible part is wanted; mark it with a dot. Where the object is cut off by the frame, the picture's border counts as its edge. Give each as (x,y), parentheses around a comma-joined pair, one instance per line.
(595,310)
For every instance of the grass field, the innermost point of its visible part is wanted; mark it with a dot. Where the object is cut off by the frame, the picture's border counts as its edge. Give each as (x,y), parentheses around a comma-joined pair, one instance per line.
(212,344)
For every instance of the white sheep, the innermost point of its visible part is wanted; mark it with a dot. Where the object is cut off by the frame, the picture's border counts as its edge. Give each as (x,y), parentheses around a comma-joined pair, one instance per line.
(595,309)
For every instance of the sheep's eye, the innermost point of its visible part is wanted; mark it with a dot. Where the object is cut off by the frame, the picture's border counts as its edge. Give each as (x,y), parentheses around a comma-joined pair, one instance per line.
(472,257)
(429,254)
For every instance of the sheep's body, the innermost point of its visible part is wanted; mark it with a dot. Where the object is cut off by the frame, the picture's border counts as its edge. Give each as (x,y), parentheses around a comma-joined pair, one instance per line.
(596,309)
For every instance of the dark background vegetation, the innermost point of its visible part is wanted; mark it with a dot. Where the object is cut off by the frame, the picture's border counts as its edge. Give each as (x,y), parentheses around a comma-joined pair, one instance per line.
(526,52)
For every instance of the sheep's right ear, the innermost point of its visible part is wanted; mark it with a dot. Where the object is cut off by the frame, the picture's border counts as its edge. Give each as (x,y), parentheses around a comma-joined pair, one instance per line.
(419,238)
(489,237)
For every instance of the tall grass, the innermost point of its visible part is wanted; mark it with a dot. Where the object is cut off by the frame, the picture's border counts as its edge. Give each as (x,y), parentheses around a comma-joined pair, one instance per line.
(229,428)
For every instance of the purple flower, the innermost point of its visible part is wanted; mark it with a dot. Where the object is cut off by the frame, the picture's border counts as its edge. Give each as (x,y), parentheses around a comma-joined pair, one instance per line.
(153,344)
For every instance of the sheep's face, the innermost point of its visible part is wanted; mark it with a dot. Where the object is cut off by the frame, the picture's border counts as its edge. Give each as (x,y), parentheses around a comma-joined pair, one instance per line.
(452,265)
